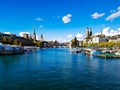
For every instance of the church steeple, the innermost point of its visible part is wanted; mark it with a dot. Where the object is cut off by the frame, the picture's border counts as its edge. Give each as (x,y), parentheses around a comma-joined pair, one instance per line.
(41,37)
(34,31)
(103,35)
(34,35)
(90,32)
(87,32)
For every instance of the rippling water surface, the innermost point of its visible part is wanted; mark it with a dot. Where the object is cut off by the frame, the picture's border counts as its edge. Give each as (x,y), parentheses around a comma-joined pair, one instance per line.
(58,69)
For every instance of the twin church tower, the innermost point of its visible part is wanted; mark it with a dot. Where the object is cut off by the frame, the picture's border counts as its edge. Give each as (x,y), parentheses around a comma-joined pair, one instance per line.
(88,32)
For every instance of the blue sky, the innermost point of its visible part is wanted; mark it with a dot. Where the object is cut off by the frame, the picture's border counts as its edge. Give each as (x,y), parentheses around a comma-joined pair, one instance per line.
(59,19)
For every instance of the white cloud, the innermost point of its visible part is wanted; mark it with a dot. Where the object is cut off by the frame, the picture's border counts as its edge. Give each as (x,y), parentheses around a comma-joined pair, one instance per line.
(69,15)
(39,19)
(21,33)
(70,36)
(37,37)
(54,39)
(97,33)
(96,15)
(118,29)
(118,8)
(7,33)
(79,35)
(67,18)
(114,15)
(106,30)
(110,32)
(60,39)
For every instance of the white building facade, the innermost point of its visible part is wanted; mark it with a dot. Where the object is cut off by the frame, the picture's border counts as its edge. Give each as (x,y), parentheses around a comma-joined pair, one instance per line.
(98,39)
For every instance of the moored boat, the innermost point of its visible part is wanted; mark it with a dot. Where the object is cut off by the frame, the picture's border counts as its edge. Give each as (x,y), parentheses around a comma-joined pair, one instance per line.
(75,50)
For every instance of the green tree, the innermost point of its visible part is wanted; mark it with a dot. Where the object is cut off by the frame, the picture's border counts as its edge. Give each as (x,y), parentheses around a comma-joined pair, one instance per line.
(84,44)
(40,44)
(5,40)
(16,42)
(21,44)
(74,43)
(102,44)
(118,44)
(10,41)
(110,44)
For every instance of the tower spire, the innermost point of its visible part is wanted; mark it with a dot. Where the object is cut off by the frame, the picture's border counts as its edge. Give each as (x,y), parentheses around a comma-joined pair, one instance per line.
(34,31)
(41,37)
(87,32)
(90,32)
(34,35)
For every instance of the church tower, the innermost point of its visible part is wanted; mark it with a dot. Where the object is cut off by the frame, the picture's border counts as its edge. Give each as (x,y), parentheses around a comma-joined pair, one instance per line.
(87,32)
(90,32)
(34,35)
(41,37)
(103,35)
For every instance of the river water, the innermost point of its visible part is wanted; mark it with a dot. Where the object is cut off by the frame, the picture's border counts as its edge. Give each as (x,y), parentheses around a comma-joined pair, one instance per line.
(58,69)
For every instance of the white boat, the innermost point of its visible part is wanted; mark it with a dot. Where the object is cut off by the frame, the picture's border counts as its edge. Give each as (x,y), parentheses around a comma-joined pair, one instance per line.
(117,53)
(75,50)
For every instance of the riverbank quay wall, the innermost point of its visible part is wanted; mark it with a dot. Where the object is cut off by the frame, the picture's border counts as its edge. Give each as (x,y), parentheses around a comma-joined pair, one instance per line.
(10,50)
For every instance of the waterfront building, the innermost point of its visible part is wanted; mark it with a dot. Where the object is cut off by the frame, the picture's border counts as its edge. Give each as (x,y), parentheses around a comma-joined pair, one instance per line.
(80,43)
(99,38)
(12,37)
(112,39)
(30,37)
(115,38)
(6,35)
(50,44)
(94,38)
(26,36)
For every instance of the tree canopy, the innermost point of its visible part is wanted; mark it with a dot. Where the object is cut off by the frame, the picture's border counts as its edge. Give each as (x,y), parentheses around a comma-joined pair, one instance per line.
(74,43)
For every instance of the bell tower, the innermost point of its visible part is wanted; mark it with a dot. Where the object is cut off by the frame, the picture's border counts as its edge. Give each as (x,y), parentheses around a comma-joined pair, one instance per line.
(90,32)
(41,37)
(87,32)
(34,35)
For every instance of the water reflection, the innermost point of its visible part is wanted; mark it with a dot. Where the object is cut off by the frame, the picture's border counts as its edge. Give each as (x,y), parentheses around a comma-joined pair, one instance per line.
(58,68)
(8,61)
